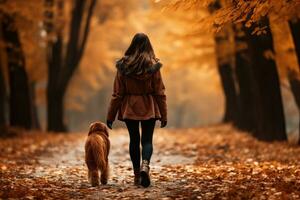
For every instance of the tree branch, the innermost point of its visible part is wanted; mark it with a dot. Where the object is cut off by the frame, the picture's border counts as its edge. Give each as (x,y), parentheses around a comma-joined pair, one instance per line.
(86,30)
(70,63)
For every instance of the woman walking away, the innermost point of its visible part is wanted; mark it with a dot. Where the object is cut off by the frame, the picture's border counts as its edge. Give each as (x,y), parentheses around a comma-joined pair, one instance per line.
(139,98)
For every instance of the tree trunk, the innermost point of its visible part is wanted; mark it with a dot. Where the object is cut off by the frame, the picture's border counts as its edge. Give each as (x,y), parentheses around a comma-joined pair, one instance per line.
(35,117)
(294,82)
(2,99)
(246,81)
(226,72)
(295,88)
(61,69)
(55,108)
(55,114)
(19,102)
(271,122)
(55,121)
(295,29)
(231,104)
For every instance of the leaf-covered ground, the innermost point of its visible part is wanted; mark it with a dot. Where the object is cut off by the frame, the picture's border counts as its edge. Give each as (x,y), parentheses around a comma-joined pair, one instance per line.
(214,162)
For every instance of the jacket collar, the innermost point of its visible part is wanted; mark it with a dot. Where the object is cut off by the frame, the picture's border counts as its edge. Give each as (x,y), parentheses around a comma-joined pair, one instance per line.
(122,67)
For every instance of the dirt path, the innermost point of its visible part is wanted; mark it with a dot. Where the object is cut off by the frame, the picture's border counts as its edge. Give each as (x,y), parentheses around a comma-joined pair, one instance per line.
(207,163)
(66,165)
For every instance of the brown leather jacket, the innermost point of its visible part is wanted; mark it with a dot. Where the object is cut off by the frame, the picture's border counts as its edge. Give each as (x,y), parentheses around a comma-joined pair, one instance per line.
(138,97)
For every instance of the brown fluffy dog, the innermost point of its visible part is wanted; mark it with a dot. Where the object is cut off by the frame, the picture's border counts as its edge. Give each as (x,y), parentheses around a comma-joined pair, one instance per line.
(97,148)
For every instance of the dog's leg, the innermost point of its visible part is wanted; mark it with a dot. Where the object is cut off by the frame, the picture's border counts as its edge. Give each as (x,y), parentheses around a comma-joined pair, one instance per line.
(104,174)
(95,178)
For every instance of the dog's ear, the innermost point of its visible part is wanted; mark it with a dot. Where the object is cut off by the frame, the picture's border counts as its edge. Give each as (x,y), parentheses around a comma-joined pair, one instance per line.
(93,127)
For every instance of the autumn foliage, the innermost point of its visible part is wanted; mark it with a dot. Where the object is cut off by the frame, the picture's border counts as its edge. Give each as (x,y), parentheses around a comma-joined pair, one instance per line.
(233,62)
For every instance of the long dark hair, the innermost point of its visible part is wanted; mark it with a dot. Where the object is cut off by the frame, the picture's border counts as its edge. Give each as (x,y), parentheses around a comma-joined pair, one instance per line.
(139,56)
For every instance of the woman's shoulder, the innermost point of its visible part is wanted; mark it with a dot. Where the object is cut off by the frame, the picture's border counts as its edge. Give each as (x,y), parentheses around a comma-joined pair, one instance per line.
(120,64)
(155,67)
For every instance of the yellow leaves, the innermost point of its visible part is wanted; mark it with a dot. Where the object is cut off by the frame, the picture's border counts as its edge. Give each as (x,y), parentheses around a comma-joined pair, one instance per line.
(248,12)
(263,9)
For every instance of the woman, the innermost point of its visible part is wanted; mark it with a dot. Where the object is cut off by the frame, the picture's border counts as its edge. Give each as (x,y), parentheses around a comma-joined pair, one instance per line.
(139,98)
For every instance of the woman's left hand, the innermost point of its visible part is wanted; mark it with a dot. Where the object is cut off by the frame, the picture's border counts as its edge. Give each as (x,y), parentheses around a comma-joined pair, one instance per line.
(163,124)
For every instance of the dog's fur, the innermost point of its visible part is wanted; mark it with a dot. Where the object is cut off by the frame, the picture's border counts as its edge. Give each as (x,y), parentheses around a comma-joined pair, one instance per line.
(97,148)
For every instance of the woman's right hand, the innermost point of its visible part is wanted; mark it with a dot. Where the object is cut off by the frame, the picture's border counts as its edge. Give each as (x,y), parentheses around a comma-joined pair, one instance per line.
(163,124)
(109,124)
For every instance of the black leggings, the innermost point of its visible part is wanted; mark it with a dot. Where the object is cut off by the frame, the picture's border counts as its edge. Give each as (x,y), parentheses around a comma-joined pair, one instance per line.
(134,145)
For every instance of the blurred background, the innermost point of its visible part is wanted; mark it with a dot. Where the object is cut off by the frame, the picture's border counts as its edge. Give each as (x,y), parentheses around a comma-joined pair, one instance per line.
(189,70)
(58,61)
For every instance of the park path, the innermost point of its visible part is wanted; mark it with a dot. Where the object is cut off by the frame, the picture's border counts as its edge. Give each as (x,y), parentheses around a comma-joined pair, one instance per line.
(214,162)
(67,166)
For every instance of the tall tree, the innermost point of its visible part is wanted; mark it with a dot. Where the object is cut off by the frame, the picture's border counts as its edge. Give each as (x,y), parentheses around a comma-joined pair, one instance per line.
(62,66)
(225,69)
(259,95)
(261,81)
(20,107)
(270,115)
